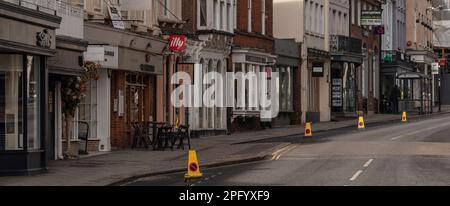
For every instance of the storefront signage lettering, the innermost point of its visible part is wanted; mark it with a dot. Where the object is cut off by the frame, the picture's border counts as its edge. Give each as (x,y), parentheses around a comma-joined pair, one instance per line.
(318,53)
(255,59)
(147,68)
(177,43)
(371,18)
(109,53)
(337,92)
(44,39)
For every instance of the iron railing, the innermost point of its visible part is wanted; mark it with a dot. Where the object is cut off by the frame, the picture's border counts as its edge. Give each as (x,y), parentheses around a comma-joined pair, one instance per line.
(339,43)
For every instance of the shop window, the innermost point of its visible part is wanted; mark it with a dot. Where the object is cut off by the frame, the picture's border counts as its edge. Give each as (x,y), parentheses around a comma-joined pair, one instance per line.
(286,77)
(87,111)
(203,13)
(33,65)
(11,74)
(15,79)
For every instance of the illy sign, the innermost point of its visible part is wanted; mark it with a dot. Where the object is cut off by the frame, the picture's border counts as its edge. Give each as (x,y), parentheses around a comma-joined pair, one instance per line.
(177,43)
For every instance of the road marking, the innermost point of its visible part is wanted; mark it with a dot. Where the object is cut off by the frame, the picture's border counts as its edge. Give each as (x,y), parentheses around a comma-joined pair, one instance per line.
(396,138)
(356,175)
(416,132)
(281,153)
(278,152)
(368,163)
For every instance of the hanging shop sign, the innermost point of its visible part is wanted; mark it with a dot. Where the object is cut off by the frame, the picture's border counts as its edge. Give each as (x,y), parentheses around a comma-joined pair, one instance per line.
(318,70)
(371,18)
(177,43)
(435,68)
(116,17)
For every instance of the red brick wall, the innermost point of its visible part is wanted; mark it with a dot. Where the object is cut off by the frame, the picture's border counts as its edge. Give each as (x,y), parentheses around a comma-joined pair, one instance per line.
(254,39)
(269,20)
(189,14)
(118,127)
(242,15)
(256,16)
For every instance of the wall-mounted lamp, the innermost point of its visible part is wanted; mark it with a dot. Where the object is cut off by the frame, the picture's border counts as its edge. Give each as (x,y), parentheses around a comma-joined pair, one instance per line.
(109,73)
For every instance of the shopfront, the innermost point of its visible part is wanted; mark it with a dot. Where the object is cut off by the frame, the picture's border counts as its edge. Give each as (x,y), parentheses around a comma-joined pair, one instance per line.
(288,61)
(317,82)
(133,93)
(346,60)
(247,60)
(23,82)
(67,63)
(393,90)
(129,82)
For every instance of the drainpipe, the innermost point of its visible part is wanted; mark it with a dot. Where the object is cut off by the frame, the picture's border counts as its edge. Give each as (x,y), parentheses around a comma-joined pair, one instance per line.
(415,23)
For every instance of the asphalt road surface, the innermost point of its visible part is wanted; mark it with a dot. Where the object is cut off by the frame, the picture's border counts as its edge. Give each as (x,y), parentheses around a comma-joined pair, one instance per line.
(412,154)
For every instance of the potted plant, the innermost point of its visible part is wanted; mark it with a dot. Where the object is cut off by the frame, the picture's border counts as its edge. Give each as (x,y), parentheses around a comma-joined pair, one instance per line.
(73,90)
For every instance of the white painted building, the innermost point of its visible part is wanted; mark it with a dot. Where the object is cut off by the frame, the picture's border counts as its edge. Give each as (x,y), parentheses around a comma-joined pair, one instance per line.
(213,22)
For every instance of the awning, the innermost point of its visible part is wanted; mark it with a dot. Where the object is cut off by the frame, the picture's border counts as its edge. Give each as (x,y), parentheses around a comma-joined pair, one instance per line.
(412,75)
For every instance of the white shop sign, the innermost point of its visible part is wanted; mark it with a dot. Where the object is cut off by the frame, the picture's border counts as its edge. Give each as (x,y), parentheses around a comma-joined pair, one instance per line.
(435,68)
(107,56)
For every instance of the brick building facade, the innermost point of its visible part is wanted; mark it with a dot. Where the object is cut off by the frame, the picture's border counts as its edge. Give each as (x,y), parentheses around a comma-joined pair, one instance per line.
(253,51)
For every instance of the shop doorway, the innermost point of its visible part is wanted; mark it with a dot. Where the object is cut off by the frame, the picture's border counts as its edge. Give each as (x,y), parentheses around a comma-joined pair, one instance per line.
(343,89)
(140,101)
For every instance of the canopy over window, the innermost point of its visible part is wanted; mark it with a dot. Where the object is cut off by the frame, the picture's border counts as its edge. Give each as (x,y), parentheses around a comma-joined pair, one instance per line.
(412,75)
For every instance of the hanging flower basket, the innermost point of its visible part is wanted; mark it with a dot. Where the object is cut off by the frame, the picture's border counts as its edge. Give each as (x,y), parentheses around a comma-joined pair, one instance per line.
(74,88)
(73,91)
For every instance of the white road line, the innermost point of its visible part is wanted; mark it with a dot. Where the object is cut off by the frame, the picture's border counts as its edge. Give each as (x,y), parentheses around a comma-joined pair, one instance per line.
(277,153)
(368,163)
(398,137)
(416,132)
(277,157)
(356,175)
(290,148)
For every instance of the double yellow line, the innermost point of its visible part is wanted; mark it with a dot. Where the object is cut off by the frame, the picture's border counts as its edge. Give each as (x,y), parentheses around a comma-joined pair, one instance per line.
(277,155)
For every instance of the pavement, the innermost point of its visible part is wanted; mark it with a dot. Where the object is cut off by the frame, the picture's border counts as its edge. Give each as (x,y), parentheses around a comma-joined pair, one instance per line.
(122,167)
(412,154)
